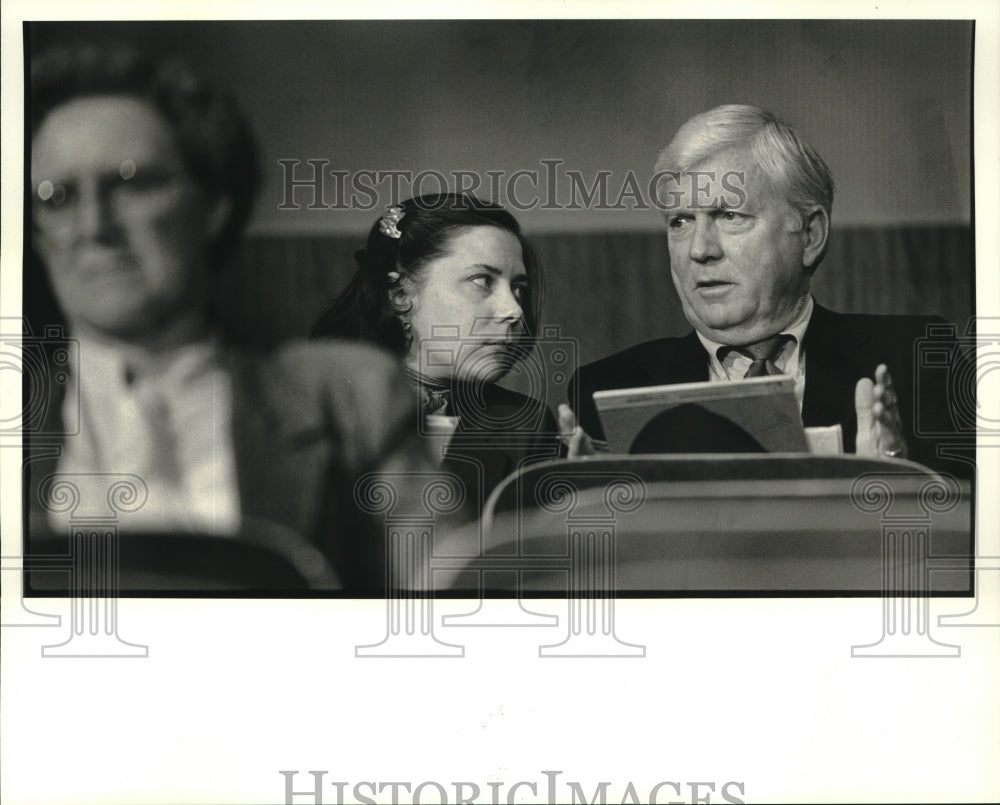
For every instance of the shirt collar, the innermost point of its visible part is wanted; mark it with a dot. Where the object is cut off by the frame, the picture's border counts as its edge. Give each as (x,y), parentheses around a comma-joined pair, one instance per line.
(796,329)
(107,365)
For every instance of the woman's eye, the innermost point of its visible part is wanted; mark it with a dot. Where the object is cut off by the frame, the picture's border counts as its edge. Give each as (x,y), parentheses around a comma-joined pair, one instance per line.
(519,291)
(676,222)
(483,281)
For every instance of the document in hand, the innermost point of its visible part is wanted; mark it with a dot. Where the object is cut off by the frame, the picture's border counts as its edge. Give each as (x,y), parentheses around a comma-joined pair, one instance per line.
(754,415)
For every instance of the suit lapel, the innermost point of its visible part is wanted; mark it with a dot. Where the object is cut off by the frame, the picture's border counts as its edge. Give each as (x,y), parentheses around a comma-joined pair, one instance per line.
(43,445)
(681,360)
(834,364)
(480,454)
(279,442)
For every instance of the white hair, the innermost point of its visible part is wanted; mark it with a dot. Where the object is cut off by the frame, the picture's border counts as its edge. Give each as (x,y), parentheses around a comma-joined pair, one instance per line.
(788,162)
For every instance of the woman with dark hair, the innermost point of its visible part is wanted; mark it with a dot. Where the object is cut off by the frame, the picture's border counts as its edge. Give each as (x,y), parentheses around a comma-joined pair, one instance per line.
(450,285)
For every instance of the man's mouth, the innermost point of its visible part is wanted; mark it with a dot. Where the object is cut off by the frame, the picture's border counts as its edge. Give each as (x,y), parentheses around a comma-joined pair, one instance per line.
(100,261)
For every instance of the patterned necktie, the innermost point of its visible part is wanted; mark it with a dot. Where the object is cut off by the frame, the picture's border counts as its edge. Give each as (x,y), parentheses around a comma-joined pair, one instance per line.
(156,447)
(762,354)
(435,394)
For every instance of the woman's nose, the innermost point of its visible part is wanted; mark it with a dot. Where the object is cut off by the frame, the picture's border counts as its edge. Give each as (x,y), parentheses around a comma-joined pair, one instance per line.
(508,308)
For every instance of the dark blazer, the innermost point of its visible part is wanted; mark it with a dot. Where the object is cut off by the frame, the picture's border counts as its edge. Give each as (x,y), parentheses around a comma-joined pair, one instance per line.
(499,432)
(841,348)
(309,419)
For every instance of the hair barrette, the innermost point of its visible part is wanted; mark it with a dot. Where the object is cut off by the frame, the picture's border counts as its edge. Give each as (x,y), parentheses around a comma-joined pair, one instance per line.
(387,223)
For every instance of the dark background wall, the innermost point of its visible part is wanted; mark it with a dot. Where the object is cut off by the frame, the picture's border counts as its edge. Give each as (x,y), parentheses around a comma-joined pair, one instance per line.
(888,105)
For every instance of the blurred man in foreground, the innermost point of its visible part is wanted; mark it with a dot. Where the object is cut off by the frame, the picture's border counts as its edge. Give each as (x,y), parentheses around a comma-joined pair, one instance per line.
(142,178)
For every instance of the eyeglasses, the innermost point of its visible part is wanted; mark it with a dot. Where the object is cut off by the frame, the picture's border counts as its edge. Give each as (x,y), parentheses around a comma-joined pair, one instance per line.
(56,204)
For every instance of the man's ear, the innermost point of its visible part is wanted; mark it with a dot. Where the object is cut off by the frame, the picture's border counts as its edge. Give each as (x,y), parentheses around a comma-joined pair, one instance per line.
(219,210)
(815,234)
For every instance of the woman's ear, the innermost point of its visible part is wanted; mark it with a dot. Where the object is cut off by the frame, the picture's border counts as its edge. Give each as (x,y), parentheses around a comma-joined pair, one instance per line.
(401,294)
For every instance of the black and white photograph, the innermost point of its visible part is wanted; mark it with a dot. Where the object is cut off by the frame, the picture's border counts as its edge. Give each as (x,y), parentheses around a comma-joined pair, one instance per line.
(400,406)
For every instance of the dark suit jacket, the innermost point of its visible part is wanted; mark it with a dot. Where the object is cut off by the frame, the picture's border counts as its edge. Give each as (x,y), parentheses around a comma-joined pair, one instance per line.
(308,420)
(499,432)
(840,349)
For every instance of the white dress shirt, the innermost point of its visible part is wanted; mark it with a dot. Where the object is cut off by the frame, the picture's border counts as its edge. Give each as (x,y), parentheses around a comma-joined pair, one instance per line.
(166,418)
(791,360)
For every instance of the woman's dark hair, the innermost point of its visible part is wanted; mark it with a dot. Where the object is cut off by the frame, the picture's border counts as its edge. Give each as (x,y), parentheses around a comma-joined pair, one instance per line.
(214,138)
(364,310)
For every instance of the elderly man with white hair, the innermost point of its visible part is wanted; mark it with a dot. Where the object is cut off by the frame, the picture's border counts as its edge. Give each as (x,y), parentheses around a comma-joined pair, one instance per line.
(748,207)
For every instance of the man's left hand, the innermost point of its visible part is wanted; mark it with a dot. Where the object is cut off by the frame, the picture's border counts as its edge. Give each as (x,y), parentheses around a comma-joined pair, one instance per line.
(578,443)
(880,427)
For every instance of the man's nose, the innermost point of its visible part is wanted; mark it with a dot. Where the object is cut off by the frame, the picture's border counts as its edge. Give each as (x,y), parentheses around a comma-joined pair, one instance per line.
(705,241)
(96,217)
